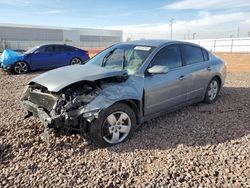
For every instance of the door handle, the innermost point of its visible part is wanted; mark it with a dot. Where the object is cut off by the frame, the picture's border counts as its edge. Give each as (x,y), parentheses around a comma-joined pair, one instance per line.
(209,68)
(181,77)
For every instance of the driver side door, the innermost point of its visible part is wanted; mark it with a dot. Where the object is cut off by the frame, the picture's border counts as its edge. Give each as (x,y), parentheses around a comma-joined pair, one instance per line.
(165,91)
(42,57)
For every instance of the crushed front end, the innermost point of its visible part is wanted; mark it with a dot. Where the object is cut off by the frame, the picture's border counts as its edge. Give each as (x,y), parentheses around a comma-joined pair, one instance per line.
(65,109)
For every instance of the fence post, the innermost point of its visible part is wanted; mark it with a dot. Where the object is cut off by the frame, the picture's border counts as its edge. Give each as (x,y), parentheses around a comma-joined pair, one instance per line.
(232,44)
(214,45)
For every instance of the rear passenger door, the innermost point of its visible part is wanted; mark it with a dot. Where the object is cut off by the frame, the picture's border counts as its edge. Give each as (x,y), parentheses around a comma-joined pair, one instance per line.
(62,55)
(197,67)
(165,91)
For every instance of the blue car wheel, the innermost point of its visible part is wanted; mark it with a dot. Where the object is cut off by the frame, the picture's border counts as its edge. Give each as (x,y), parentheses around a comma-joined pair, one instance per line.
(76,61)
(20,67)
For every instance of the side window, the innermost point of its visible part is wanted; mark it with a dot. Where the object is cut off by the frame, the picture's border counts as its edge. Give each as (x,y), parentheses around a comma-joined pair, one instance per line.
(46,49)
(49,49)
(192,54)
(205,55)
(59,49)
(66,49)
(41,50)
(169,56)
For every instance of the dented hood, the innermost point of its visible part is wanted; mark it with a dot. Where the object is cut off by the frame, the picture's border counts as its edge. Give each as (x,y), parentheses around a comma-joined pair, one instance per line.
(57,79)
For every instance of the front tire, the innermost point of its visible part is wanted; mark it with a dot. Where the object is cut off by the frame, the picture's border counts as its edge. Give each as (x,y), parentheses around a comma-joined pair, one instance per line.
(114,125)
(212,91)
(20,67)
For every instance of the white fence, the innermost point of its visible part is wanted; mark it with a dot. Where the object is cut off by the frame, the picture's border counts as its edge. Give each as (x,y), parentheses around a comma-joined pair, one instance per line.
(239,45)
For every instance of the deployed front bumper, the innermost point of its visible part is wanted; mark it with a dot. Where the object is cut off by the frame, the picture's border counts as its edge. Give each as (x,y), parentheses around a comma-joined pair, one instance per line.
(42,115)
(68,121)
(38,112)
(6,67)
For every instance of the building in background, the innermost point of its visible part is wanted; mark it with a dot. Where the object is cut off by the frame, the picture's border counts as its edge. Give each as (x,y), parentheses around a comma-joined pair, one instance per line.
(23,37)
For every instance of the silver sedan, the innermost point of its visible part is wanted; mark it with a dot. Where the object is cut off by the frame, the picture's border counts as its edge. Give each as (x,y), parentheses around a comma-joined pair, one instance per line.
(124,86)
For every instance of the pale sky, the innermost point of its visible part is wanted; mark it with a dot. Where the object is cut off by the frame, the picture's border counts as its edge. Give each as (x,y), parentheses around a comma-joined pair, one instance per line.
(137,18)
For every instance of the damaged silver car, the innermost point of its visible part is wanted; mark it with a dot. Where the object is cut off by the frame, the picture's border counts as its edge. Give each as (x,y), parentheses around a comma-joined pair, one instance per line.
(124,86)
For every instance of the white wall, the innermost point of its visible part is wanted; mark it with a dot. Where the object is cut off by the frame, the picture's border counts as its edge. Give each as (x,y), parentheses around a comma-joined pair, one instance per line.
(71,35)
(225,44)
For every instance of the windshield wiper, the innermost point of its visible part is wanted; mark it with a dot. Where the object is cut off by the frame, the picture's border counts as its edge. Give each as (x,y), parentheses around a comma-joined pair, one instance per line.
(106,57)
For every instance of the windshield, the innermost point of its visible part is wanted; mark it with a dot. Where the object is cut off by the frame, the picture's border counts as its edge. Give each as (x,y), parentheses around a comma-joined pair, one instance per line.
(123,56)
(31,50)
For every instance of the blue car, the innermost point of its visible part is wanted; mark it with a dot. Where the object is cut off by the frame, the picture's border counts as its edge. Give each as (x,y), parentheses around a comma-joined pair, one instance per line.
(43,57)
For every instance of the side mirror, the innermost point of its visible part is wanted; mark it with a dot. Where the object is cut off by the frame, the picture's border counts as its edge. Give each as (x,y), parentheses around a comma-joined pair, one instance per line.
(158,69)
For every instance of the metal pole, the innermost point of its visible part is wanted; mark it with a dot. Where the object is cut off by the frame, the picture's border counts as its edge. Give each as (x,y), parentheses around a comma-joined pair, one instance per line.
(214,45)
(171,28)
(238,32)
(194,35)
(232,43)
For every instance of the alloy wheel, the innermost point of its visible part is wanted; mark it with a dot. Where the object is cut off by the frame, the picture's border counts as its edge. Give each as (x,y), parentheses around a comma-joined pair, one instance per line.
(213,90)
(76,61)
(21,67)
(116,127)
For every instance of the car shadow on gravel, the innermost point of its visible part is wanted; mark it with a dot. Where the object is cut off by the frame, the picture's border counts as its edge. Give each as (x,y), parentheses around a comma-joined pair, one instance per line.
(5,153)
(198,125)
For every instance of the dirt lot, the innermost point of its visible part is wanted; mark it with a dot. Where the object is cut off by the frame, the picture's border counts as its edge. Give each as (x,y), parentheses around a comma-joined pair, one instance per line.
(197,146)
(237,62)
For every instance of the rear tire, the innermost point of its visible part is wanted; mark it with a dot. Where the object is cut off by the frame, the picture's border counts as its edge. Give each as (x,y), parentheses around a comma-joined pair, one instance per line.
(76,61)
(114,125)
(20,67)
(212,91)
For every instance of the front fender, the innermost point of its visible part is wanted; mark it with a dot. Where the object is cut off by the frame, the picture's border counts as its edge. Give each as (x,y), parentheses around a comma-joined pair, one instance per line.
(131,89)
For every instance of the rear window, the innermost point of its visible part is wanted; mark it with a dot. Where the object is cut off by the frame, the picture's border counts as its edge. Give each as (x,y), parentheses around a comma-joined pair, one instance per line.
(205,55)
(192,54)
(63,48)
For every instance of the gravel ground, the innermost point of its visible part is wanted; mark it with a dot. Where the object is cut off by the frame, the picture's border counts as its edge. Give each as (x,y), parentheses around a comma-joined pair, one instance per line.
(197,146)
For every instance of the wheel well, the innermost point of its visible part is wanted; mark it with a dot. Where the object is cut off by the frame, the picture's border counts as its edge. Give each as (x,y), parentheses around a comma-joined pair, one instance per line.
(219,79)
(75,57)
(134,105)
(22,61)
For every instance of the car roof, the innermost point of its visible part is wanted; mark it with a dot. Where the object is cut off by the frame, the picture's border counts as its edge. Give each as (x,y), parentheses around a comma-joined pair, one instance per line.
(159,43)
(154,43)
(57,45)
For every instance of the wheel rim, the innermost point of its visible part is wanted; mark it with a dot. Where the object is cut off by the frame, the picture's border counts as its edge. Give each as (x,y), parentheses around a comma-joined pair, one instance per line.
(21,67)
(116,127)
(76,61)
(213,90)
